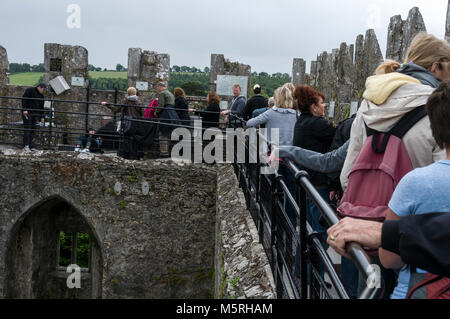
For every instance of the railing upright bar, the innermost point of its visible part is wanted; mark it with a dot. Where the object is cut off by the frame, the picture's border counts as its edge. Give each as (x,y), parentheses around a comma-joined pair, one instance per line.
(86,124)
(356,252)
(303,241)
(50,124)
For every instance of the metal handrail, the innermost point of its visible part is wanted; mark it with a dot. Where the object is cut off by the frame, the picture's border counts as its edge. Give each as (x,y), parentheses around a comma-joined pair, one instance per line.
(308,238)
(97,103)
(357,253)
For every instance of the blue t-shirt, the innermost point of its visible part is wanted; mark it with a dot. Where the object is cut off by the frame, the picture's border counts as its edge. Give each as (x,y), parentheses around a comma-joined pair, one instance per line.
(423,190)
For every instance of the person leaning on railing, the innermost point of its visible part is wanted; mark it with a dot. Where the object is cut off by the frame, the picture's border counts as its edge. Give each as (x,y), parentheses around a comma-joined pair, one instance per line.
(237,108)
(395,91)
(421,191)
(131,105)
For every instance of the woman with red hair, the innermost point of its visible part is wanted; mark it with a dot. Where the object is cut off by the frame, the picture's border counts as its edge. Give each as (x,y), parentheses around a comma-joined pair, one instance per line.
(313,132)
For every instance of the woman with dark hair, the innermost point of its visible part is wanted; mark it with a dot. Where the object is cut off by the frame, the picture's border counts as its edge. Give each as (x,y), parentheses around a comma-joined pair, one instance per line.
(313,132)
(181,106)
(212,116)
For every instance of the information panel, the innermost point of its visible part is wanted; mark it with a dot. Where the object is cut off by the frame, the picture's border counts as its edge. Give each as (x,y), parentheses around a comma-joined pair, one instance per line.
(224,84)
(142,86)
(223,105)
(77,81)
(353,108)
(331,110)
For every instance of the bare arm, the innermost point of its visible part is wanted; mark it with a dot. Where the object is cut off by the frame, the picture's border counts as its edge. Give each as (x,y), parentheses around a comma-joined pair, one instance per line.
(387,258)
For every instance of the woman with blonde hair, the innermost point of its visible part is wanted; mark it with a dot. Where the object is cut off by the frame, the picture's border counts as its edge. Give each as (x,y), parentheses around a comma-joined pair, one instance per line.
(282,116)
(397,89)
(394,91)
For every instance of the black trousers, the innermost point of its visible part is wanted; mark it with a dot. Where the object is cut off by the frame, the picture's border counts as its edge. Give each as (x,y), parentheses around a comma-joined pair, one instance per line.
(29,125)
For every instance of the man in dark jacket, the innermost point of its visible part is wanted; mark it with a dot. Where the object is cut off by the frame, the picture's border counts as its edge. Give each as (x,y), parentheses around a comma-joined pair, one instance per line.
(256,102)
(237,108)
(32,112)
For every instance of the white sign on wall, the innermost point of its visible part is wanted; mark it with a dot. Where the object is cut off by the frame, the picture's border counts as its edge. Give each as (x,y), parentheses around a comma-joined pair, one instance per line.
(225,84)
(77,81)
(141,86)
(223,105)
(353,108)
(331,110)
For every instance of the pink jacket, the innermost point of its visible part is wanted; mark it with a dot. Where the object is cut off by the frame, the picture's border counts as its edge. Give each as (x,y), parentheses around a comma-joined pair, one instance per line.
(151,110)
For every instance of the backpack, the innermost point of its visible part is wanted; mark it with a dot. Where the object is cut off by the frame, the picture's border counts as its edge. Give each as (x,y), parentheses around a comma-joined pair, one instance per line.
(432,287)
(379,167)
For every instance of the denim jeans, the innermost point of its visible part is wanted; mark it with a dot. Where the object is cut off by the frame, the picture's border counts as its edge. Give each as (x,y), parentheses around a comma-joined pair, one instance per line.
(290,183)
(86,141)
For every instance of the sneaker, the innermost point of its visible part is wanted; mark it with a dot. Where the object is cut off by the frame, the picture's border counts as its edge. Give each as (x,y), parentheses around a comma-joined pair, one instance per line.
(86,150)
(26,148)
(33,149)
(77,149)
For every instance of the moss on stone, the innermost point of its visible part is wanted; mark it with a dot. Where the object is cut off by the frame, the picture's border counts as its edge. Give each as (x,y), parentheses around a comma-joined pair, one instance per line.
(235,281)
(123,204)
(134,177)
(175,278)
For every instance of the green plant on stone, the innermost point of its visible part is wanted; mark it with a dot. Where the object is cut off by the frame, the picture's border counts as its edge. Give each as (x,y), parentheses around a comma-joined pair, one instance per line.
(134,177)
(235,281)
(123,204)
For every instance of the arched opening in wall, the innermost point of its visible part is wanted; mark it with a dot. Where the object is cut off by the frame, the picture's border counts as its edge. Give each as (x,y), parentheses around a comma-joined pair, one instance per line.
(49,237)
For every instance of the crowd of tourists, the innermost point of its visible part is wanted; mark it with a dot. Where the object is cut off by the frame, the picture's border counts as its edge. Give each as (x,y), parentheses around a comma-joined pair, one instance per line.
(381,169)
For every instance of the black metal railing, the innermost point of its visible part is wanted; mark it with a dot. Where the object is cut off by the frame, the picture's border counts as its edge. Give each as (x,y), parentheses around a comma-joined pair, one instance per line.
(300,264)
(64,123)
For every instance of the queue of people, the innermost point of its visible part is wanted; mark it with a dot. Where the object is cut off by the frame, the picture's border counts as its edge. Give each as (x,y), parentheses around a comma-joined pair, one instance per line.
(394,163)
(389,161)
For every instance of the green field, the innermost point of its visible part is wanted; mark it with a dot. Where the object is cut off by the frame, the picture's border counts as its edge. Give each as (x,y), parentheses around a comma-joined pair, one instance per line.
(28,78)
(32,78)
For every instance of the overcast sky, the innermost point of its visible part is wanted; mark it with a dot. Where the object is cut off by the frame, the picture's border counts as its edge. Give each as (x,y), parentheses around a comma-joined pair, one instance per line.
(266,34)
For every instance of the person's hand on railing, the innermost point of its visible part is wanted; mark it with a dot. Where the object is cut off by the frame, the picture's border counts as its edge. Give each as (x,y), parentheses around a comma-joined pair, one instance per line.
(273,159)
(225,112)
(191,110)
(104,103)
(335,195)
(364,232)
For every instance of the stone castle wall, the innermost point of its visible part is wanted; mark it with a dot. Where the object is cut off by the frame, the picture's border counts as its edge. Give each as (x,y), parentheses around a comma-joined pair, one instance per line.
(341,74)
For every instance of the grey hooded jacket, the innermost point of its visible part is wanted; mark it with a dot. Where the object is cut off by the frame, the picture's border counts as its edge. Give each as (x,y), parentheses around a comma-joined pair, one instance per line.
(277,118)
(323,163)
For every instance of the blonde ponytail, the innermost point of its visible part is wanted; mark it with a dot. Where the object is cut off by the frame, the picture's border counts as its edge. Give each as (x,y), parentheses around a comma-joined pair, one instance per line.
(387,66)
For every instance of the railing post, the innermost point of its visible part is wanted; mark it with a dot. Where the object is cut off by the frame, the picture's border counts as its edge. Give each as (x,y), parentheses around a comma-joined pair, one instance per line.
(303,236)
(116,92)
(257,192)
(86,124)
(50,123)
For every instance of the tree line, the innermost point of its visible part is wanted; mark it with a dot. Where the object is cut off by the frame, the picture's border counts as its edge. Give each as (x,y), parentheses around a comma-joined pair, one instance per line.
(194,81)
(25,67)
